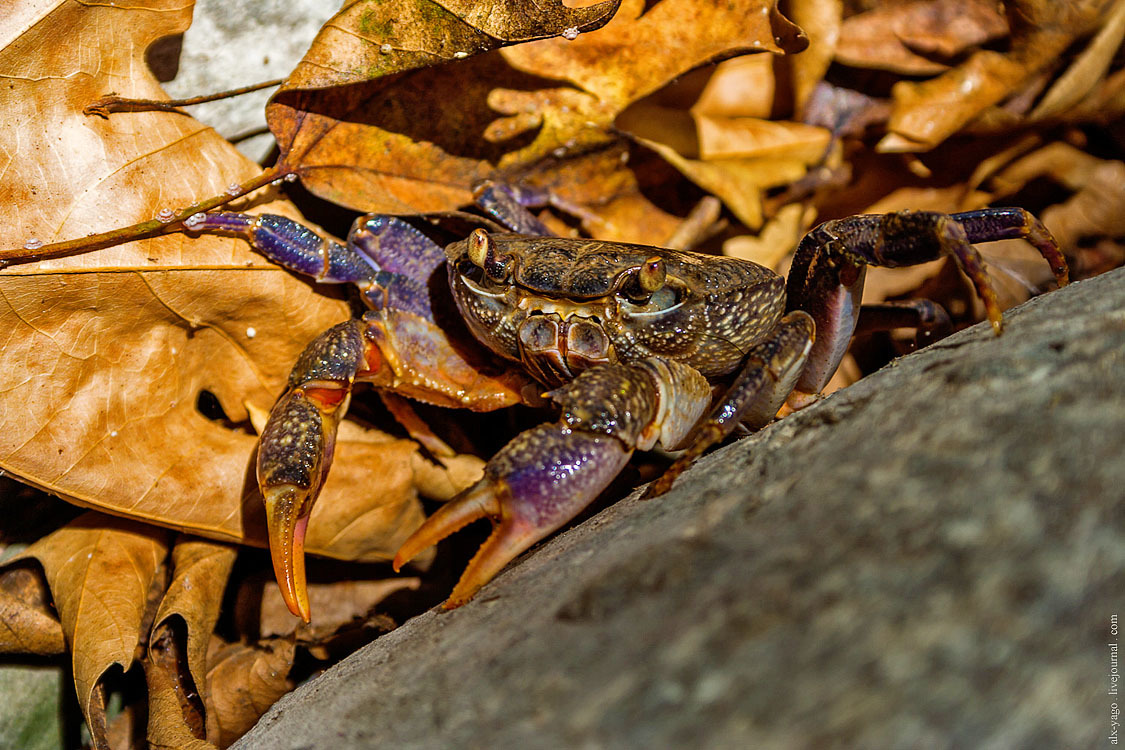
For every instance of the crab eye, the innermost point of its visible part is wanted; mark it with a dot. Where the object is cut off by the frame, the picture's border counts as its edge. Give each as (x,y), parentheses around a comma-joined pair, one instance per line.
(639,283)
(652,274)
(482,252)
(479,244)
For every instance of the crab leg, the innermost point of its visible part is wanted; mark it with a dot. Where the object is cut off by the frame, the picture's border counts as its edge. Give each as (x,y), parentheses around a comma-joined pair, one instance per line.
(826,279)
(765,379)
(548,474)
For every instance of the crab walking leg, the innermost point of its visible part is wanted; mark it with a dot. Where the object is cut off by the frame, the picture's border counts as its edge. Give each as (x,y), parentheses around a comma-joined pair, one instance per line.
(290,244)
(990,224)
(548,474)
(764,381)
(826,279)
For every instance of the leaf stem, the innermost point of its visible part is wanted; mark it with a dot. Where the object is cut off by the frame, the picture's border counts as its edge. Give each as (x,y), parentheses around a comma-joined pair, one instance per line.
(107,105)
(144,229)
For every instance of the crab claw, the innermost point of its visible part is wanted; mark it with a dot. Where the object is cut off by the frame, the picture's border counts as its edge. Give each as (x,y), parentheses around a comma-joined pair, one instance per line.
(287,517)
(294,455)
(534,485)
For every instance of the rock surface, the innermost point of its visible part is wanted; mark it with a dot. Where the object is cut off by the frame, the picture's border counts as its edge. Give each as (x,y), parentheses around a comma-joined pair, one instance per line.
(930,559)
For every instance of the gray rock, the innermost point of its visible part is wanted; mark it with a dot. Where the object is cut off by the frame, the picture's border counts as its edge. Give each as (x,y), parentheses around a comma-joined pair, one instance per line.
(928,559)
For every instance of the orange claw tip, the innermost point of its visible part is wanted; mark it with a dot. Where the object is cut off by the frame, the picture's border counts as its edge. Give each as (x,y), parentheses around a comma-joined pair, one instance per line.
(287,519)
(478,501)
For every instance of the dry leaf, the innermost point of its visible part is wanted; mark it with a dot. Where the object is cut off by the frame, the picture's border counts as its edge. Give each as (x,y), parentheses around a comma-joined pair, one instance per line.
(242,682)
(778,238)
(821,20)
(916,38)
(603,188)
(334,604)
(100,570)
(171,700)
(740,87)
(928,112)
(369,39)
(395,143)
(28,624)
(737,182)
(199,576)
(107,352)
(1087,70)
(417,141)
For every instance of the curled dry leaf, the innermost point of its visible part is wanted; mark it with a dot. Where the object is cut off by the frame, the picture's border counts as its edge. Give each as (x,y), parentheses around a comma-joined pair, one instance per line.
(100,570)
(28,624)
(242,682)
(821,20)
(200,570)
(106,353)
(175,712)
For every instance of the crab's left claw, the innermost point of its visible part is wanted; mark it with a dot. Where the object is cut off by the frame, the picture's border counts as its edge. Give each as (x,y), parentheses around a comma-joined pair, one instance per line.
(296,446)
(534,485)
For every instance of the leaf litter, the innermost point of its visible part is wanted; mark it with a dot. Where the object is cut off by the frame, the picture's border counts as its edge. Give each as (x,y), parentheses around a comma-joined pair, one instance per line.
(133,375)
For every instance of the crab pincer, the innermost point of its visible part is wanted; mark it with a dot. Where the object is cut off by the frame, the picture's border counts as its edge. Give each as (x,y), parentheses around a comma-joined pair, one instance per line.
(547,475)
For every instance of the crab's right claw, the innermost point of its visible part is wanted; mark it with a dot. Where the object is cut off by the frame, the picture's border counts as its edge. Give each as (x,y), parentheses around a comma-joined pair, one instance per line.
(534,485)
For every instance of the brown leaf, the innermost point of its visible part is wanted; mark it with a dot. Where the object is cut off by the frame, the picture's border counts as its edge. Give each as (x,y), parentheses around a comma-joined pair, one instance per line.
(108,352)
(242,682)
(369,38)
(915,38)
(928,112)
(740,87)
(28,624)
(333,603)
(821,20)
(199,576)
(778,238)
(1087,70)
(418,141)
(100,570)
(610,75)
(739,182)
(410,156)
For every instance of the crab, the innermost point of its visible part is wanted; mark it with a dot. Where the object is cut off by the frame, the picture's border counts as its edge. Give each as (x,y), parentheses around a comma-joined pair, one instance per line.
(638,347)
